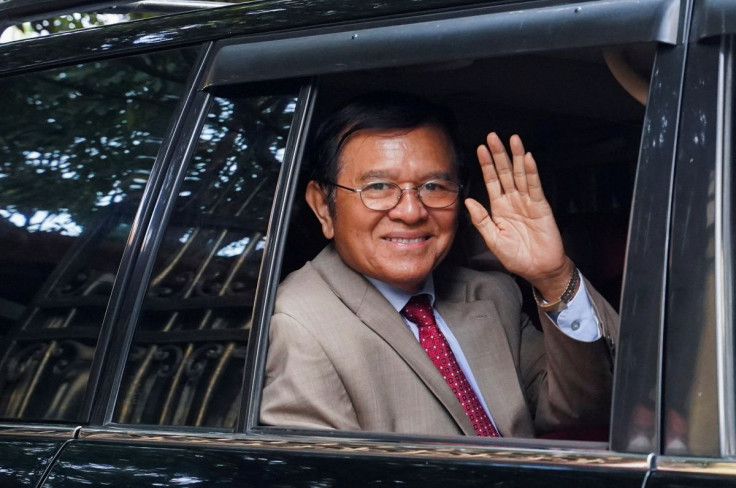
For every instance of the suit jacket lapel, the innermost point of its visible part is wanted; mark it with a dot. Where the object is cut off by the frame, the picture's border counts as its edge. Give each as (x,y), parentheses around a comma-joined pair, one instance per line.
(376,312)
(477,327)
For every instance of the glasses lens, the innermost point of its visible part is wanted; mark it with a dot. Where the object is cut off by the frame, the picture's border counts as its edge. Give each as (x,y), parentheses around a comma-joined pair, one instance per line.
(438,193)
(380,195)
(385,196)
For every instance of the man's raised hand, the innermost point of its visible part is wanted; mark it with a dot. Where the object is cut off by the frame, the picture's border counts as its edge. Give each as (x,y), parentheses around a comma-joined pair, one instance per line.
(520,229)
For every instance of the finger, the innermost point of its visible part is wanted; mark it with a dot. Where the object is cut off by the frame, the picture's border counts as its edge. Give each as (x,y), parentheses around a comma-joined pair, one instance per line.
(490,177)
(536,192)
(517,153)
(481,221)
(502,163)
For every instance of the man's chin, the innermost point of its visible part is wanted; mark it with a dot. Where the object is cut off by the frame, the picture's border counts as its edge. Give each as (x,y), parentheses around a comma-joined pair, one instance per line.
(410,282)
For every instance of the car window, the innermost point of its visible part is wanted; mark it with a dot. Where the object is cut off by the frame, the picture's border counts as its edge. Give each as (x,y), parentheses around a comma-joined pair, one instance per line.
(186,362)
(583,127)
(77,146)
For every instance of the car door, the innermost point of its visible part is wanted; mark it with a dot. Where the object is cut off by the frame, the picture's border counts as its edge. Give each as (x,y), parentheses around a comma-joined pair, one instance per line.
(227,223)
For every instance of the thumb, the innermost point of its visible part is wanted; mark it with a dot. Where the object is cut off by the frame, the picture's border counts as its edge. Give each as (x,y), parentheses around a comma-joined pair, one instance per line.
(481,219)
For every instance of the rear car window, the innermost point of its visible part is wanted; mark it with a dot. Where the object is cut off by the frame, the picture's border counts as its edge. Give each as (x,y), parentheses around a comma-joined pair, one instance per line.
(77,146)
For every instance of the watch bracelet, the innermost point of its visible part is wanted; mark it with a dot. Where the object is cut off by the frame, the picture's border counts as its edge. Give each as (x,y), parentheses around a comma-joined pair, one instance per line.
(567,295)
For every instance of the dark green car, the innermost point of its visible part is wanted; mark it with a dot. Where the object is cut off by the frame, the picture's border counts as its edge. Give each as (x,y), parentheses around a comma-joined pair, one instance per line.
(152,167)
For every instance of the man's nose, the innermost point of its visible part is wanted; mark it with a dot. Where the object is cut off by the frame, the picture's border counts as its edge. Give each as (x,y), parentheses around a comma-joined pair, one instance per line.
(410,208)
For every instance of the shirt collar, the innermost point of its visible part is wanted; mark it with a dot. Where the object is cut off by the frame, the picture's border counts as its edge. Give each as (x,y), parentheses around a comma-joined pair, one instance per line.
(397,297)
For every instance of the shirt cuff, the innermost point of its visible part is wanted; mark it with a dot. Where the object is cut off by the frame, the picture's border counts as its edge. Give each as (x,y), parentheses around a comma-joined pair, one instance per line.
(578,320)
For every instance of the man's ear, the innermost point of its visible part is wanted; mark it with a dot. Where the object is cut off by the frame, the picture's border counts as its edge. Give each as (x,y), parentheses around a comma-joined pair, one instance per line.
(317,201)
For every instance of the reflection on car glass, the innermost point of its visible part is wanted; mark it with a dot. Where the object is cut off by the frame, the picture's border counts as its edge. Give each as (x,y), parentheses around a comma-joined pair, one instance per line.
(186,363)
(74,168)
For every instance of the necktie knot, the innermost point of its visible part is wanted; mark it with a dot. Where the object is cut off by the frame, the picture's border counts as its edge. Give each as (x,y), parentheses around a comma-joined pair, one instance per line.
(419,310)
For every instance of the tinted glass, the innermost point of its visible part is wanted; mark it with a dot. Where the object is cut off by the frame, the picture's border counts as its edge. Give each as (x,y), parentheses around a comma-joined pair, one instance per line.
(186,363)
(76,147)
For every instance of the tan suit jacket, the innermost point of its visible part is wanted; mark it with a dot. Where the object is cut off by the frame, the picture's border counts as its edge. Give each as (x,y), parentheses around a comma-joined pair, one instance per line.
(341,357)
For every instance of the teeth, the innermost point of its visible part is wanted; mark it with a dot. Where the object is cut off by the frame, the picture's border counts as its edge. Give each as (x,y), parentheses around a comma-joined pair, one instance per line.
(405,241)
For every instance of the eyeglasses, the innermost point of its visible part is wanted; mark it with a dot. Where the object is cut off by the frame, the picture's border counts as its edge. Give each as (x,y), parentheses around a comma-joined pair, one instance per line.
(382,195)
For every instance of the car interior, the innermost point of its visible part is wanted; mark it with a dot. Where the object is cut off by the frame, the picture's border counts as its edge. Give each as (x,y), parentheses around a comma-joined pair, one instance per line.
(579,112)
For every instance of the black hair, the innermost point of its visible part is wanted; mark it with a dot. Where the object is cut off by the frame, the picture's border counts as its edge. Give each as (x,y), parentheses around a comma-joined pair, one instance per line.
(375,111)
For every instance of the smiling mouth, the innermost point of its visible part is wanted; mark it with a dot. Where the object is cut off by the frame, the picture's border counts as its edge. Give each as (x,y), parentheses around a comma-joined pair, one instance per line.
(403,240)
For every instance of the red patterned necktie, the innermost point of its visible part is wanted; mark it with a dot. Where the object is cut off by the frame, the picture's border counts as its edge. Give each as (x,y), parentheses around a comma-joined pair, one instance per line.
(420,312)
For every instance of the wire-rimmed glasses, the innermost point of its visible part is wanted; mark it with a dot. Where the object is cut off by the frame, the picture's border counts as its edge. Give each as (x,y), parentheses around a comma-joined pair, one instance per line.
(384,195)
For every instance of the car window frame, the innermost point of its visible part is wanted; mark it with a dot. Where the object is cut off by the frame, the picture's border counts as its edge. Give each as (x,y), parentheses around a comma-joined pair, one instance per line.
(146,235)
(340,51)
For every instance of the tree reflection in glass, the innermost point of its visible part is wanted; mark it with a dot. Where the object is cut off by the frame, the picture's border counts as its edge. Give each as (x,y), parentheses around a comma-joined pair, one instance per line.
(186,363)
(76,150)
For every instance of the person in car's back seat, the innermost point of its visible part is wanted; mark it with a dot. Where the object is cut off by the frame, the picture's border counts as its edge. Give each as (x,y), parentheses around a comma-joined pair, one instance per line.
(376,334)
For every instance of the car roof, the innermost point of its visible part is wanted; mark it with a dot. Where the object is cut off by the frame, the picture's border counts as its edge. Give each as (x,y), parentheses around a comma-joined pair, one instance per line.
(194,26)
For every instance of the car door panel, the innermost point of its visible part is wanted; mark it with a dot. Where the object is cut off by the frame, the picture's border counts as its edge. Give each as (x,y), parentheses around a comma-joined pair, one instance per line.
(26,454)
(211,461)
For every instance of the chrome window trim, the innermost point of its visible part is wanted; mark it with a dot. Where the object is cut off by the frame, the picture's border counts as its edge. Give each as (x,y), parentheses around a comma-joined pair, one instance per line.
(696,466)
(45,431)
(435,449)
(723,253)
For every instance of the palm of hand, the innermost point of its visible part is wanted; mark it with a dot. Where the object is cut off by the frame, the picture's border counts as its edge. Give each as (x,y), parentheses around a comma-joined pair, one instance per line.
(523,235)
(520,230)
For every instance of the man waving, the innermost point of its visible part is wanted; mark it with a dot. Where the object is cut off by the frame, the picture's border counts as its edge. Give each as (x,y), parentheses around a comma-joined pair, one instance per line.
(376,333)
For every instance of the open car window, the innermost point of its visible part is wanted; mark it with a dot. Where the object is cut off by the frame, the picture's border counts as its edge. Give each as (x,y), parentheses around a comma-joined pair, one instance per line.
(580,112)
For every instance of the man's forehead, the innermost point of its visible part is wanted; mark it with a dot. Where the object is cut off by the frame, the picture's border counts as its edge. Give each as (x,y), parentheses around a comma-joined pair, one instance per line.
(398,133)
(362,141)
